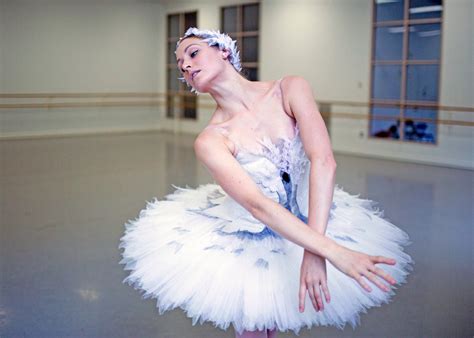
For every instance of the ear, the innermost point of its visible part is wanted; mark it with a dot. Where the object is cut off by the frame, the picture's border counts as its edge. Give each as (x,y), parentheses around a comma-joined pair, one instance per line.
(225,54)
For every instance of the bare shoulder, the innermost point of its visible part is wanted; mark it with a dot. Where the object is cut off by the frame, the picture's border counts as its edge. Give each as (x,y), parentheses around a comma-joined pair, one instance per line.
(292,88)
(293,84)
(210,142)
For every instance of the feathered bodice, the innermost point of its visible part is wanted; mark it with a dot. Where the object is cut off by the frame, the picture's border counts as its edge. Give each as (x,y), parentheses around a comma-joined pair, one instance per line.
(280,170)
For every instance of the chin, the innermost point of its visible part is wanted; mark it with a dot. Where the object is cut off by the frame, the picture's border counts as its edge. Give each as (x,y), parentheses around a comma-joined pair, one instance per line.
(202,86)
(207,81)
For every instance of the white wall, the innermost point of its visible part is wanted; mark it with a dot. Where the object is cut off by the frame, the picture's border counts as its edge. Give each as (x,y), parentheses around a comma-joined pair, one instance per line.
(61,46)
(119,45)
(328,42)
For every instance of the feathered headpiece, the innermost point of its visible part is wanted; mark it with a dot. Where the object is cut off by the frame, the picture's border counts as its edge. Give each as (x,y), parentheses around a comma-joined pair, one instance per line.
(214,38)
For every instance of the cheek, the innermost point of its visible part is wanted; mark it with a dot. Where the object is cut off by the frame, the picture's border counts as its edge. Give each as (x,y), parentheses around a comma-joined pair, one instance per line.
(210,59)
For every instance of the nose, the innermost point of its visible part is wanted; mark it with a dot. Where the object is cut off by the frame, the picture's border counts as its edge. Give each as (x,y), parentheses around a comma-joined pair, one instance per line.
(186,66)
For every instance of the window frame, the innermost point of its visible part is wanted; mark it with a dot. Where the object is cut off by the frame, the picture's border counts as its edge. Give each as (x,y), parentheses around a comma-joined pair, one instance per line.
(186,99)
(404,104)
(239,34)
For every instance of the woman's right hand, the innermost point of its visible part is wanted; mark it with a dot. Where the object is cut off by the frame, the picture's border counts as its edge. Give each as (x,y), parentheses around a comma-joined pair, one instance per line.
(356,264)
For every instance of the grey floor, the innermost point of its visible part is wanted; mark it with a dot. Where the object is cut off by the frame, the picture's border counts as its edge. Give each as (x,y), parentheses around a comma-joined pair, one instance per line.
(64,202)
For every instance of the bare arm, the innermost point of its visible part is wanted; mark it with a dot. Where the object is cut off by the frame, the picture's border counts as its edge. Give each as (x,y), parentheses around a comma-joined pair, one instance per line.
(299,102)
(298,98)
(213,152)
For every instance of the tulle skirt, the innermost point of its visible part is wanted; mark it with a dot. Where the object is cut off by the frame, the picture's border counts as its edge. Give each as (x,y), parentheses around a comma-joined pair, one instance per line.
(180,256)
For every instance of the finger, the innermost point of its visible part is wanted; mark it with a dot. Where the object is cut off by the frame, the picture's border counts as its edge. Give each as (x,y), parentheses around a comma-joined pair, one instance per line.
(317,295)
(384,260)
(384,275)
(302,295)
(324,286)
(362,283)
(370,276)
(313,298)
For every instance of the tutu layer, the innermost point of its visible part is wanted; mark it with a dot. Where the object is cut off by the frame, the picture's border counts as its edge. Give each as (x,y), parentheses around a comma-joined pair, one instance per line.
(251,280)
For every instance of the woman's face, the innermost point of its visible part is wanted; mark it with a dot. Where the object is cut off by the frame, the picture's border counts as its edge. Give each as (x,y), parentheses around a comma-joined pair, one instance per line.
(200,63)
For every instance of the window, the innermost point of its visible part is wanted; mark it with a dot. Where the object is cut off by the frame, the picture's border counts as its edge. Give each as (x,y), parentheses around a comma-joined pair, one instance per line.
(180,102)
(405,69)
(242,23)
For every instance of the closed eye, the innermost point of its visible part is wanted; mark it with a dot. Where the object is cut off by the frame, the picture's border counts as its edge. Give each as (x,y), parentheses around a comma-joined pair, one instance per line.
(193,54)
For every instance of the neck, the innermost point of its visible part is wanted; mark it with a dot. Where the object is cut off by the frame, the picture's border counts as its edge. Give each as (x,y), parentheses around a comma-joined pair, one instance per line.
(233,93)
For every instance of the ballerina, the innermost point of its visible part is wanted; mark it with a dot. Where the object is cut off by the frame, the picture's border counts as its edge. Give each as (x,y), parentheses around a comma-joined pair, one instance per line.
(273,232)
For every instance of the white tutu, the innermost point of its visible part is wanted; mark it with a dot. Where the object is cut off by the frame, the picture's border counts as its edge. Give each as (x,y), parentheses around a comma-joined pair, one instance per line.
(199,250)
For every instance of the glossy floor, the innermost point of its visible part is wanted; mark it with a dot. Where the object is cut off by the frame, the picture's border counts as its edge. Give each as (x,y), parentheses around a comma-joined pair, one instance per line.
(64,202)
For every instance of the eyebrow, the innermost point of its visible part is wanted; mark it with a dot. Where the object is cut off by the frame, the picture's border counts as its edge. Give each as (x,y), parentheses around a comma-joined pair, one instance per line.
(179,60)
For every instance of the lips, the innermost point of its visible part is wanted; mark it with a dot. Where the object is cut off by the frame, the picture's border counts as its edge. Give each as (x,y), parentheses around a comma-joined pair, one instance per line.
(193,74)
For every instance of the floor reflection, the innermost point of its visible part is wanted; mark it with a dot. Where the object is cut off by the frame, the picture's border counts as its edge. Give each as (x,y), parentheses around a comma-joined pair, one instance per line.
(64,202)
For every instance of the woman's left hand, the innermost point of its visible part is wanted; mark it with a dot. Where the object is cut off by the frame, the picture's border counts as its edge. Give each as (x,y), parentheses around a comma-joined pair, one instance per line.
(313,278)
